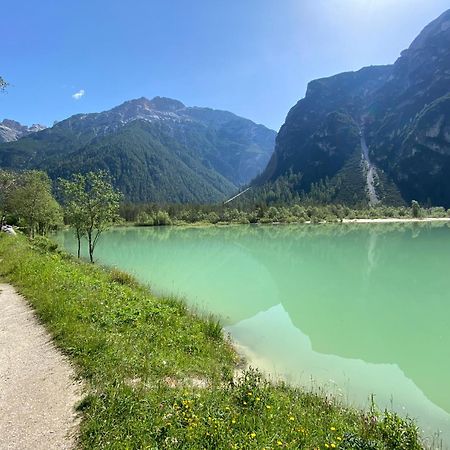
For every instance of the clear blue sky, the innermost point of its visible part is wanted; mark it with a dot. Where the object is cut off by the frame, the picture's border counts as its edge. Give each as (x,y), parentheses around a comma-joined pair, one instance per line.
(251,57)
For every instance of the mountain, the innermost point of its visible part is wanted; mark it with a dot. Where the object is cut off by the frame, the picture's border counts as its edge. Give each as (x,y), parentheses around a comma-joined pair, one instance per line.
(157,150)
(10,130)
(379,134)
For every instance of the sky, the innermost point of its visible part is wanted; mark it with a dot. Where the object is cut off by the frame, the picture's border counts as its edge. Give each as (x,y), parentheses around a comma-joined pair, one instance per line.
(251,57)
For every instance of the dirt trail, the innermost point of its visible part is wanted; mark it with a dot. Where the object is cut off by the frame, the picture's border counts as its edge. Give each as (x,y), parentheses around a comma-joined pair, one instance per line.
(37,389)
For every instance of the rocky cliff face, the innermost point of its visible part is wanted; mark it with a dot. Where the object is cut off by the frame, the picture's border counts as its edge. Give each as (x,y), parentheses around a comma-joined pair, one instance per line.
(403,112)
(409,121)
(157,150)
(10,130)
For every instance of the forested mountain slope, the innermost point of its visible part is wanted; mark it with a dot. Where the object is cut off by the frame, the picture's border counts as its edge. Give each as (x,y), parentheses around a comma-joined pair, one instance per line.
(156,150)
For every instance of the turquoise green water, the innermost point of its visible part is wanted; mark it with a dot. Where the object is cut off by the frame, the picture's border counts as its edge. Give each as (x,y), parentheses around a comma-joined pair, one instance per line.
(358,309)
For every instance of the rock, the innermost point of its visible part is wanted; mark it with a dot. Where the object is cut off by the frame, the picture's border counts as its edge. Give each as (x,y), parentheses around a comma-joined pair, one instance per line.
(9,230)
(10,130)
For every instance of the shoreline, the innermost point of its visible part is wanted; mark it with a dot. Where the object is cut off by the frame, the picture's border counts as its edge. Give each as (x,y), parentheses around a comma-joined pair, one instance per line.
(103,318)
(398,220)
(306,222)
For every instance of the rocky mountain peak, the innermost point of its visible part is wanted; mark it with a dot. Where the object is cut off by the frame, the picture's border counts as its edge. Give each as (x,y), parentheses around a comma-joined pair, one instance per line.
(142,108)
(166,104)
(12,124)
(162,104)
(36,127)
(11,130)
(439,30)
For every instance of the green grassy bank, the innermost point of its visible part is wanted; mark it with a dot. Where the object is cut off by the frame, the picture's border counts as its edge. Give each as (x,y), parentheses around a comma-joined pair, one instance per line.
(159,377)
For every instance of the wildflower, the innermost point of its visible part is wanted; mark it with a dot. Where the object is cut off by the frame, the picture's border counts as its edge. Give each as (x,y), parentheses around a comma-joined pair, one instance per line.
(333,429)
(291,418)
(253,435)
(279,443)
(333,445)
(268,406)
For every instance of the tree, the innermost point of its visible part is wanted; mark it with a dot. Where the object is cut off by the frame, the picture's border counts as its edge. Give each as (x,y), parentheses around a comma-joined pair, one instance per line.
(32,201)
(91,204)
(74,201)
(7,182)
(415,207)
(3,84)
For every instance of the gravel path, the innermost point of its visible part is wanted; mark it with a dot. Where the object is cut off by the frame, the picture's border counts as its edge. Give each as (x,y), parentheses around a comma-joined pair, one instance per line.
(37,388)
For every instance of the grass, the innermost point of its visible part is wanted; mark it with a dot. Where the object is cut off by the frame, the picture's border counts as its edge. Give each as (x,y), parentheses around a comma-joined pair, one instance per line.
(159,377)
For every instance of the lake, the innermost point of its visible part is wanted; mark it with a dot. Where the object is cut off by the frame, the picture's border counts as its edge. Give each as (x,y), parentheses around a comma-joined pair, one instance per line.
(352,309)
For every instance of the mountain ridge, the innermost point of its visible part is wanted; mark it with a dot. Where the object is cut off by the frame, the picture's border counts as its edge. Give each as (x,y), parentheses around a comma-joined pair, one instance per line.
(145,144)
(403,112)
(11,130)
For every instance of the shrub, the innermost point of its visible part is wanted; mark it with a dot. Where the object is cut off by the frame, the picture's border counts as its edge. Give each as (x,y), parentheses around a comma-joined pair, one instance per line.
(44,243)
(124,278)
(399,433)
(144,219)
(162,218)
(212,217)
(415,209)
(213,328)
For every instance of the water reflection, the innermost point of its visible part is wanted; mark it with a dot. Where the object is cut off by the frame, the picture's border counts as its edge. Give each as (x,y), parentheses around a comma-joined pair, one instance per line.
(372,301)
(285,352)
(371,252)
